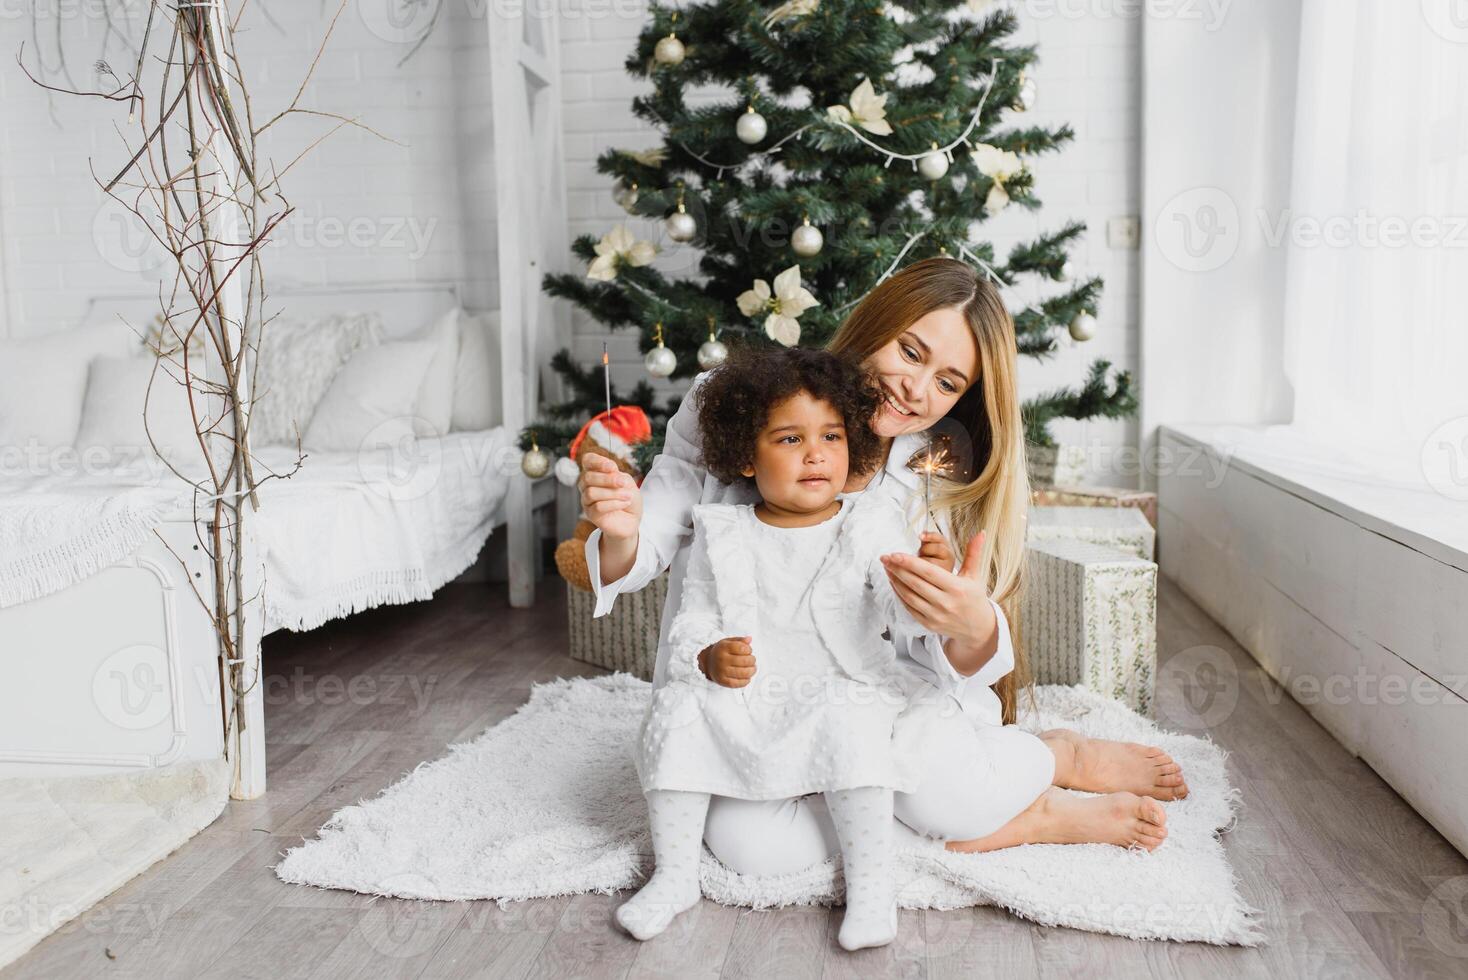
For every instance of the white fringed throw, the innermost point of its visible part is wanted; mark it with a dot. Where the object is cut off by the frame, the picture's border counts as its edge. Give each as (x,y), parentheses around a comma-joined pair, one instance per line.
(547,803)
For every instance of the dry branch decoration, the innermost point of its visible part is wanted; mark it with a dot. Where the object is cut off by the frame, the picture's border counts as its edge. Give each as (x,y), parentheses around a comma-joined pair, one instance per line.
(195,180)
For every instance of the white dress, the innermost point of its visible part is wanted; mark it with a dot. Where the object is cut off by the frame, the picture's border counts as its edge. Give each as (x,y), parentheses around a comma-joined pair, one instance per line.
(824,711)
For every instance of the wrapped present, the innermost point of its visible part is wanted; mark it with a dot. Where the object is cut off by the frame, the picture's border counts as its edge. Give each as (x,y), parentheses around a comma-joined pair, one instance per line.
(624,639)
(1121,528)
(1052,465)
(1089,617)
(1073,496)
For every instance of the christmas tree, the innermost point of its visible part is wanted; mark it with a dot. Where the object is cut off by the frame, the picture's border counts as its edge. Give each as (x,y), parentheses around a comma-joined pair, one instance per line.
(859,136)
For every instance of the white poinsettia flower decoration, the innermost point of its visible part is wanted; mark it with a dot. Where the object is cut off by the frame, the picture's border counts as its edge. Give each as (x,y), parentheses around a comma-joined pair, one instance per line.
(649,158)
(616,248)
(999,166)
(867,110)
(979,6)
(790,10)
(784,304)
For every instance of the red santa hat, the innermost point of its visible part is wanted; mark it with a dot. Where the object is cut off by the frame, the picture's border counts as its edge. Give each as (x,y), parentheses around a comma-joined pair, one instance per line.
(616,431)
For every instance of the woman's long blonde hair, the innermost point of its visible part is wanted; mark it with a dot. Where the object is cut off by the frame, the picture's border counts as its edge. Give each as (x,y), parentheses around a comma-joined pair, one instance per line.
(998,497)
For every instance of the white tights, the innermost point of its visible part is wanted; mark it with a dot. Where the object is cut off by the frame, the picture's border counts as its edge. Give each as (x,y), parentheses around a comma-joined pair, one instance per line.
(986,776)
(861,819)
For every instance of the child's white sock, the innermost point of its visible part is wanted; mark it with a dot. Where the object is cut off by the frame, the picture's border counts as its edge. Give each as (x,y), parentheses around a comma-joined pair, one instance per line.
(863,819)
(677,820)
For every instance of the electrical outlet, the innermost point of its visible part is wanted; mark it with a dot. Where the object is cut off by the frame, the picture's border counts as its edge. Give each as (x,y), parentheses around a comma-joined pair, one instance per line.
(1124,232)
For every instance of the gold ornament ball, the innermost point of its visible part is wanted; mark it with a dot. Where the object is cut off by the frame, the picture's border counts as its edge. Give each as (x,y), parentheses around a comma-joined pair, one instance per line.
(751,127)
(807,241)
(536,463)
(1083,327)
(624,194)
(933,165)
(680,226)
(660,362)
(669,51)
(712,354)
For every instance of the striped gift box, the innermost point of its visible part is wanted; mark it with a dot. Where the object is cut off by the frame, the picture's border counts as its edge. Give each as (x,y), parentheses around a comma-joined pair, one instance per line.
(624,639)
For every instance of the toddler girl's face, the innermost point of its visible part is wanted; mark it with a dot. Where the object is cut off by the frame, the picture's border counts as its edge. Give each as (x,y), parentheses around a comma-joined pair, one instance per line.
(800,459)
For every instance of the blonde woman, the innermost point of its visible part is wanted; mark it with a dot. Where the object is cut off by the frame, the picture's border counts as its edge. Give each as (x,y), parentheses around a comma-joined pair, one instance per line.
(941,344)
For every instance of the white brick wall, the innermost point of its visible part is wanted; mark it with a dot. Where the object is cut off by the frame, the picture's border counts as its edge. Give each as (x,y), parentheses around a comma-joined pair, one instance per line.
(441,180)
(367,210)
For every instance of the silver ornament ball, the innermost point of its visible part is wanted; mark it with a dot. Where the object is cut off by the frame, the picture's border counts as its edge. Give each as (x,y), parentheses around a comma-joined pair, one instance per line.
(624,194)
(712,354)
(751,127)
(807,240)
(568,471)
(660,362)
(669,51)
(933,165)
(1025,100)
(536,463)
(680,226)
(1083,327)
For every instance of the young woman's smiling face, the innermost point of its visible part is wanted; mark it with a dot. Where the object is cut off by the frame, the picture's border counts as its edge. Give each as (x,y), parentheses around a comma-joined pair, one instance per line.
(924,371)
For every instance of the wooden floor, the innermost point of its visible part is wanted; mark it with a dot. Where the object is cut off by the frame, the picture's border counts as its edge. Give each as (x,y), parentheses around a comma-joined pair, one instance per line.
(1343,870)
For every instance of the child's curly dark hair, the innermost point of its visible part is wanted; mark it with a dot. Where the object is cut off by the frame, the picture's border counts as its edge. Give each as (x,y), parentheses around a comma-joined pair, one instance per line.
(734,404)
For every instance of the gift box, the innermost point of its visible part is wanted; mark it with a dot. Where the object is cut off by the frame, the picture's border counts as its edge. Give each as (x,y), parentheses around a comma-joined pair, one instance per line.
(1123,528)
(1073,496)
(1089,617)
(624,639)
(1052,465)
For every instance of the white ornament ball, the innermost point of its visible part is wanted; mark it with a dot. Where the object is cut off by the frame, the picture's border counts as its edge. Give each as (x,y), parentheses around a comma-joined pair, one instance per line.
(660,362)
(1067,271)
(669,51)
(712,354)
(536,463)
(807,240)
(933,165)
(1083,327)
(751,127)
(1025,100)
(568,471)
(680,226)
(624,194)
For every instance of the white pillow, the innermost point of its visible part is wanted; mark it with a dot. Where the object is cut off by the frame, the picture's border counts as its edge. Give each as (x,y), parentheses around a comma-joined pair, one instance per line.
(372,400)
(43,381)
(297,360)
(436,397)
(477,404)
(112,414)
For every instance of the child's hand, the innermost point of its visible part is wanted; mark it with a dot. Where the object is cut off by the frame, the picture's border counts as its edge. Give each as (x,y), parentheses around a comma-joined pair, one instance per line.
(611,498)
(935,549)
(729,662)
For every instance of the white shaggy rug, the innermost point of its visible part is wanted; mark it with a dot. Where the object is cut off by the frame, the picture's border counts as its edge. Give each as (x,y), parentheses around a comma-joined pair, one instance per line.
(547,803)
(67,842)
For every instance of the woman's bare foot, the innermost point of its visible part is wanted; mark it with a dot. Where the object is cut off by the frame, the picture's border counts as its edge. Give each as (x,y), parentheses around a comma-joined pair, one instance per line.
(1097,765)
(1058,817)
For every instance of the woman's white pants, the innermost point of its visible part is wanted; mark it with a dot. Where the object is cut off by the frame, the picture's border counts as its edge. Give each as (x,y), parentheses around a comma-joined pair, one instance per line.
(979,777)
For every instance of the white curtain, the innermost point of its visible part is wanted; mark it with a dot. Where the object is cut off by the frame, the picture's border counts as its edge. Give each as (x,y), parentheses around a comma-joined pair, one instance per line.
(1376,294)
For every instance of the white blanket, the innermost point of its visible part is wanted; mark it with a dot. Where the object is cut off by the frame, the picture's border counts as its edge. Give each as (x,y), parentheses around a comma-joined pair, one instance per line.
(547,803)
(348,532)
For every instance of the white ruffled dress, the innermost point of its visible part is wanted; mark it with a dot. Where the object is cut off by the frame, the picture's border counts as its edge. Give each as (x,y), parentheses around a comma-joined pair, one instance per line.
(830,707)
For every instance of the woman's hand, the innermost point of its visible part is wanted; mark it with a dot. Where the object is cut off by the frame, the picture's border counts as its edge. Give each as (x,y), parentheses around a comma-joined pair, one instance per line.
(611,498)
(729,662)
(954,605)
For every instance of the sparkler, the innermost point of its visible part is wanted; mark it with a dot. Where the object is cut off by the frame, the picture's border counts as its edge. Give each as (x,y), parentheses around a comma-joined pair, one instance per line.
(936,458)
(606,373)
